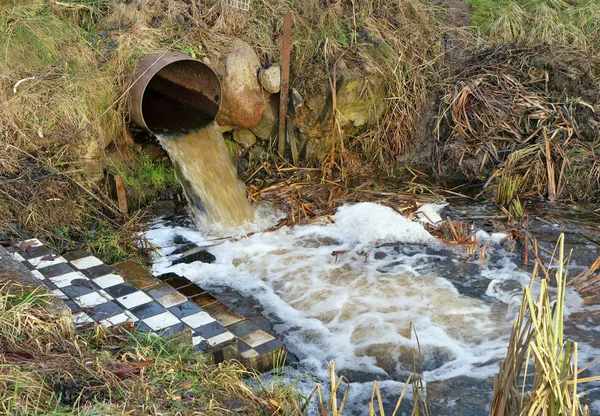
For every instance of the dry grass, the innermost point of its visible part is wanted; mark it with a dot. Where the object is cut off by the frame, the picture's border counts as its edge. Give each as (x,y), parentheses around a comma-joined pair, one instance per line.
(519,127)
(397,42)
(64,73)
(540,375)
(45,368)
(308,195)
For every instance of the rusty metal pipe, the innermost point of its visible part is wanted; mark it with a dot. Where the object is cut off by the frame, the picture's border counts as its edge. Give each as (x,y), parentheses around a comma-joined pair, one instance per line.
(174,94)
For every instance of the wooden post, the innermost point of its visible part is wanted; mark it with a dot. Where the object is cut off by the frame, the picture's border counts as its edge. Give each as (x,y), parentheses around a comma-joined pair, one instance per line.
(285,81)
(121,194)
(292,138)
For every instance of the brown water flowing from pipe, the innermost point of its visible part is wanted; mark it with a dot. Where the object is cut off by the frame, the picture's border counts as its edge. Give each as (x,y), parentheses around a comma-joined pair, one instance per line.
(177,98)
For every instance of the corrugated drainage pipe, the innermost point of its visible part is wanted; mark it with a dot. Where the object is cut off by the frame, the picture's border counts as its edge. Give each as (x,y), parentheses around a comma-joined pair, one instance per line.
(174,94)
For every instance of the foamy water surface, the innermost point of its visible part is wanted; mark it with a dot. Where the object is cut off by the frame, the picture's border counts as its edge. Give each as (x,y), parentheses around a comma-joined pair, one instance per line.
(350,291)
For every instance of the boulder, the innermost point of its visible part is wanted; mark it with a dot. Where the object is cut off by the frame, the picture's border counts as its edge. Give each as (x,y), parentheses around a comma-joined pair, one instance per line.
(243,102)
(270,79)
(244,138)
(269,122)
(360,99)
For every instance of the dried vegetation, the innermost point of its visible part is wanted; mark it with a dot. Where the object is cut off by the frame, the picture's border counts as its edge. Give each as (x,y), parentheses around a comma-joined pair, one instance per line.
(524,121)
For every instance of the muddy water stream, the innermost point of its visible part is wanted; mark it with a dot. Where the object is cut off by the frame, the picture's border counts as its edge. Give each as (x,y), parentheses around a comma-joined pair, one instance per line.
(352,290)
(356,307)
(211,185)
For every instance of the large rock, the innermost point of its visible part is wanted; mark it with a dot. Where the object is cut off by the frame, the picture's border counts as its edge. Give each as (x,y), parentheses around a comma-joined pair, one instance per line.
(360,99)
(244,138)
(267,127)
(243,102)
(270,79)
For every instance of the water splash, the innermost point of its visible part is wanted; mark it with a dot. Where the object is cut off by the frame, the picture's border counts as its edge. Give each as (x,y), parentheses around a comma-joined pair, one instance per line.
(216,195)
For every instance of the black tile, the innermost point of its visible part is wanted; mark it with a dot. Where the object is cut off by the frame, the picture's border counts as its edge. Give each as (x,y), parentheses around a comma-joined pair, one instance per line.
(147,310)
(75,255)
(74,291)
(84,283)
(268,346)
(239,329)
(122,289)
(142,327)
(166,276)
(33,252)
(50,285)
(56,270)
(177,281)
(72,306)
(173,329)
(242,346)
(203,299)
(217,308)
(210,330)
(185,309)
(105,310)
(28,265)
(218,356)
(191,290)
(97,271)
(202,346)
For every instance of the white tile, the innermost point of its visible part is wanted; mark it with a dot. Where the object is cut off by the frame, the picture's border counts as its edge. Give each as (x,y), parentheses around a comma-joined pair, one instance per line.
(134,299)
(161,321)
(66,279)
(108,280)
(38,275)
(17,256)
(249,354)
(60,294)
(219,339)
(256,338)
(198,319)
(115,320)
(45,261)
(34,242)
(171,299)
(86,262)
(197,340)
(81,318)
(90,300)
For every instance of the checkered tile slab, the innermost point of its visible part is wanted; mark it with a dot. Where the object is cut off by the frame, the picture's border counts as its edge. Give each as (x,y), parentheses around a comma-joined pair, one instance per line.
(97,293)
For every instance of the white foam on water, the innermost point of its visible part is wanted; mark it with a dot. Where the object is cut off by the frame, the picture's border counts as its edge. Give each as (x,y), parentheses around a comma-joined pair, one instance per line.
(341,307)
(332,298)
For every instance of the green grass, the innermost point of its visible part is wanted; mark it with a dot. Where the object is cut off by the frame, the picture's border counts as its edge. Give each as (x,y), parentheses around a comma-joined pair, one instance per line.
(555,22)
(146,180)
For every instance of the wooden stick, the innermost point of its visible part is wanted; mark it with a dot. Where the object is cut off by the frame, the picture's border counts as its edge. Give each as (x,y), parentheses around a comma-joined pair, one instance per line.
(121,194)
(292,139)
(285,81)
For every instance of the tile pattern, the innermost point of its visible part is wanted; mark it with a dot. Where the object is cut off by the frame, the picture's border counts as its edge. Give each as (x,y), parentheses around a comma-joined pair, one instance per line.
(126,293)
(227,325)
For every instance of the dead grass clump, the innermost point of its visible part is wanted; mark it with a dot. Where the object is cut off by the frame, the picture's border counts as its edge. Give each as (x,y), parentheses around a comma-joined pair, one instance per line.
(45,368)
(26,321)
(540,375)
(306,196)
(519,126)
(64,73)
